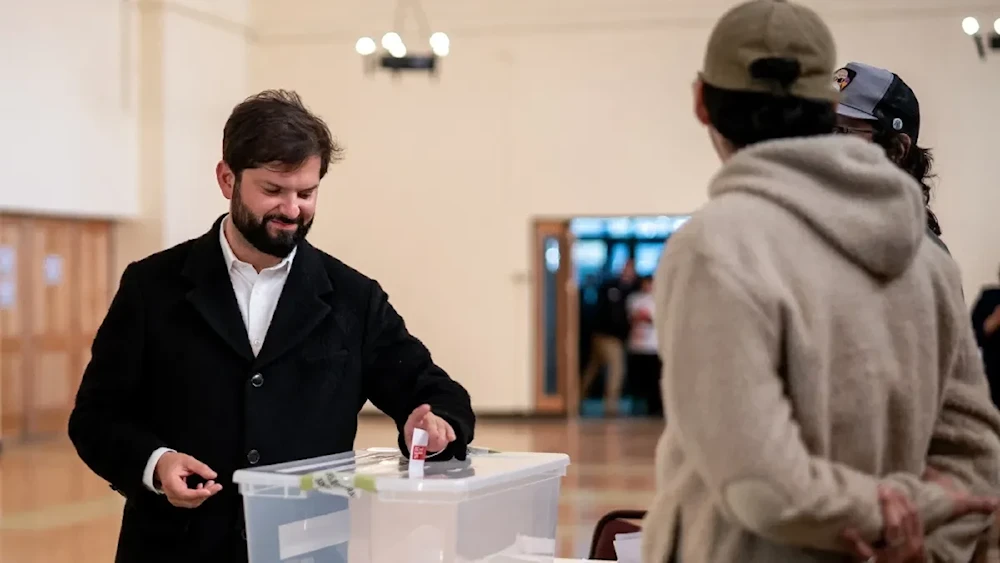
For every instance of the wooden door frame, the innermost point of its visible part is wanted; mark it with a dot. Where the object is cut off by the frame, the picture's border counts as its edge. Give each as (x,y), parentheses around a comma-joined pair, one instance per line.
(566,401)
(570,395)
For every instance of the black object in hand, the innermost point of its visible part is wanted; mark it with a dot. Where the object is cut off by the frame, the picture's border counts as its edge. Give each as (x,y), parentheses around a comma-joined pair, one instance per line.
(194,480)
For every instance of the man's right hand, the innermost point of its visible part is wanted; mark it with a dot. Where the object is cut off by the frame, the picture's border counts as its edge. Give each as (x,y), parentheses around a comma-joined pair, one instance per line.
(172,471)
(964,502)
(904,533)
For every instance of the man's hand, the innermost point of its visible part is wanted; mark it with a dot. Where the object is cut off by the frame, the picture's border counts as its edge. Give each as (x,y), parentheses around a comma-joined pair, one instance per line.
(172,471)
(903,535)
(992,322)
(963,502)
(439,432)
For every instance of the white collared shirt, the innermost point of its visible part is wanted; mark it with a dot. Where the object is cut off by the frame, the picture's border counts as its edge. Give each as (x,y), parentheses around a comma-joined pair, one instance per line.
(257,295)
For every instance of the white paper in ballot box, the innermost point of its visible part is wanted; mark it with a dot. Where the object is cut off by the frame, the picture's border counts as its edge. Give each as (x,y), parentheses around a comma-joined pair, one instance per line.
(629,547)
(376,507)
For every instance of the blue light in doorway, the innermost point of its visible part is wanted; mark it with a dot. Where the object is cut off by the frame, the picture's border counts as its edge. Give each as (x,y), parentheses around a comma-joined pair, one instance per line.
(639,227)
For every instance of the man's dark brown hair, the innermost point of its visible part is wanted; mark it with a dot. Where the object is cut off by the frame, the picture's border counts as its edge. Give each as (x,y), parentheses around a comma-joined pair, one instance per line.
(275,128)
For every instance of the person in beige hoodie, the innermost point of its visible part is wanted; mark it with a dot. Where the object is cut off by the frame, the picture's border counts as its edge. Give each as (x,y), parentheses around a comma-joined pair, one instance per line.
(815,342)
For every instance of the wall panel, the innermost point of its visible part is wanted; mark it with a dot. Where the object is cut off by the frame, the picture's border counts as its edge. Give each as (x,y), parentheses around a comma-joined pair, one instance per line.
(61,293)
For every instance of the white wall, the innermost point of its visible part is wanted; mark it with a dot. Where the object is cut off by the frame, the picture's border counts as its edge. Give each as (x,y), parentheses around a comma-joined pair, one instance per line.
(67,108)
(116,110)
(204,66)
(562,108)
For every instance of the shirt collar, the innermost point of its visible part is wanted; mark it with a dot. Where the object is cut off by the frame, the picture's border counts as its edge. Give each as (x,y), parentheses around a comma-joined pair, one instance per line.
(231,259)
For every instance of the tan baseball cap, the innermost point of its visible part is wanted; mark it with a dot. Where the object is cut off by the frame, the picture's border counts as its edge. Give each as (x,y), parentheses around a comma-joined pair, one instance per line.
(772,46)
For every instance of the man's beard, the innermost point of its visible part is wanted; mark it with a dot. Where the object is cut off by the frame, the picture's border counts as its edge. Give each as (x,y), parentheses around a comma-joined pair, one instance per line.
(254,230)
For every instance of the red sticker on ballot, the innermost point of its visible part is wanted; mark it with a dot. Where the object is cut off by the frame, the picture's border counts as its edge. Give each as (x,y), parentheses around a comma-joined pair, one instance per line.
(419,453)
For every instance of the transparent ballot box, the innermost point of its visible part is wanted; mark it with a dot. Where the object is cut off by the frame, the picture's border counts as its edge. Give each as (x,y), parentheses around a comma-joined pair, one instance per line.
(366,507)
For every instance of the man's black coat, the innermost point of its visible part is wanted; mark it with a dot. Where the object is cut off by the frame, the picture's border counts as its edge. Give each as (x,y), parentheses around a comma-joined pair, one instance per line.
(172,367)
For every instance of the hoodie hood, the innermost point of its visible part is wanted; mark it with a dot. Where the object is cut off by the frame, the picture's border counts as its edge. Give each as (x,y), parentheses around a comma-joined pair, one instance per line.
(842,187)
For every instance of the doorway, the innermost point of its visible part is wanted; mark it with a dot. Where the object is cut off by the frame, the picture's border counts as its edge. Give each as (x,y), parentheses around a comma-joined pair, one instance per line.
(573,258)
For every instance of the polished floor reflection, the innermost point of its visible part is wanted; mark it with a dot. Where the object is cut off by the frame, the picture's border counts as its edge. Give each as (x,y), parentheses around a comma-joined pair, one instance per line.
(53,509)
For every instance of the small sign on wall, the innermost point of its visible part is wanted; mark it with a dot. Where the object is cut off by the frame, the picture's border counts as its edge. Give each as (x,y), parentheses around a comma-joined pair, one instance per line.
(7,260)
(53,269)
(8,295)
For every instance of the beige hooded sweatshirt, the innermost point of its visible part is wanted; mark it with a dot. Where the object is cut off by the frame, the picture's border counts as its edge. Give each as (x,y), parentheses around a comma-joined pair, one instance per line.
(815,344)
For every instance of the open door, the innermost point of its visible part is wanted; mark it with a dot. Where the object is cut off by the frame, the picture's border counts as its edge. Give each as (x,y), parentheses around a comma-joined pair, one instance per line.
(557,366)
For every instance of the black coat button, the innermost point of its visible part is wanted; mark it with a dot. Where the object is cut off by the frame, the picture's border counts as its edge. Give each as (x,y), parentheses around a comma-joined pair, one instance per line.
(253,456)
(257,380)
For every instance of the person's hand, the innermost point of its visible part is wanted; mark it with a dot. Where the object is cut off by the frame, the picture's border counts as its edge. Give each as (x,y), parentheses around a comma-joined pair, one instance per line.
(963,502)
(992,322)
(439,432)
(172,471)
(932,475)
(903,534)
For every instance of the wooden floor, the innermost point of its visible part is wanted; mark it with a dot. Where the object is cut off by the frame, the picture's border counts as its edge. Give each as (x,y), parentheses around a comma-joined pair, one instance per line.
(53,509)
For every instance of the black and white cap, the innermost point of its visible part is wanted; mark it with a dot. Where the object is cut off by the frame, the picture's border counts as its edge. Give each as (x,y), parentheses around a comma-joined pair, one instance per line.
(876,94)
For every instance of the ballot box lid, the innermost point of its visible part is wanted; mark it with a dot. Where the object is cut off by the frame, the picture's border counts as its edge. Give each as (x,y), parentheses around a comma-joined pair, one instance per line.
(385,472)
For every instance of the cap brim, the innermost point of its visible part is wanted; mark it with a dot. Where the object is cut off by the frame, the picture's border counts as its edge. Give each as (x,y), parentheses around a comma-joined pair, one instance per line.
(848,111)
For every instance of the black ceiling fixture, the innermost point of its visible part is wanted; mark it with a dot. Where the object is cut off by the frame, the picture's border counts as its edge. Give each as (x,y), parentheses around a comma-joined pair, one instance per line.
(989,39)
(392,53)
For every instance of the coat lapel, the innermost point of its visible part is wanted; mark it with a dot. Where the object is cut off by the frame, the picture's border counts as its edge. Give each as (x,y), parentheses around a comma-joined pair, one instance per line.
(302,305)
(212,295)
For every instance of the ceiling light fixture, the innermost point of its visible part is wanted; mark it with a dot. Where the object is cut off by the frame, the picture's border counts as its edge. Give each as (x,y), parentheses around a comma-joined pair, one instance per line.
(981,38)
(394,54)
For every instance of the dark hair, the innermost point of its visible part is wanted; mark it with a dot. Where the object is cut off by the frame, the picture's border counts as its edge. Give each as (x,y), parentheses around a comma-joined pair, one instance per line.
(745,118)
(274,126)
(916,162)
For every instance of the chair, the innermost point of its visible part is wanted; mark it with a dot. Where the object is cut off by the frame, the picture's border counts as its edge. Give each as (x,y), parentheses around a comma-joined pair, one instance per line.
(602,546)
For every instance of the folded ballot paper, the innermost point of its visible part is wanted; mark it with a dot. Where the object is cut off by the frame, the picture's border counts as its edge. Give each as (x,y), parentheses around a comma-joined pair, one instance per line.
(628,547)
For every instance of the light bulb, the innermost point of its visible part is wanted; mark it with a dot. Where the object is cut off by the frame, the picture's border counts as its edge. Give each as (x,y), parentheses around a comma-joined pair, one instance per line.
(970,26)
(390,40)
(365,46)
(440,44)
(398,50)
(996,26)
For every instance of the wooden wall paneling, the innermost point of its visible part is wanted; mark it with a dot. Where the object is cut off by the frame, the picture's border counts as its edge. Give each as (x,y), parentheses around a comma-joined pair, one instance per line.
(94,274)
(14,349)
(55,322)
(63,291)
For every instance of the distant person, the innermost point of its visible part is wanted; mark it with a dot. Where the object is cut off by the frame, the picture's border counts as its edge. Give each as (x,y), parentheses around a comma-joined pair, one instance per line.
(643,359)
(607,345)
(986,323)
(823,387)
(247,346)
(876,105)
